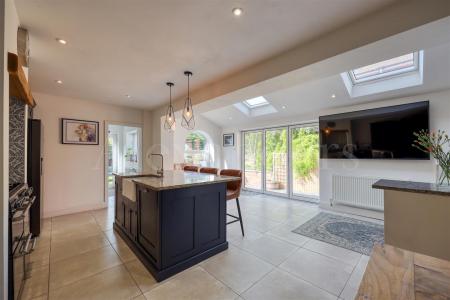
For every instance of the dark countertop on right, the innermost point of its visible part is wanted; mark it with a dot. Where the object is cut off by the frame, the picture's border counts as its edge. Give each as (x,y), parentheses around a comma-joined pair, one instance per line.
(411,186)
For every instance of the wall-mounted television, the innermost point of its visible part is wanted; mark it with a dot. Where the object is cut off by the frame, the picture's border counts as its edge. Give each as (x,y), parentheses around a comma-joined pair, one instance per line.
(380,133)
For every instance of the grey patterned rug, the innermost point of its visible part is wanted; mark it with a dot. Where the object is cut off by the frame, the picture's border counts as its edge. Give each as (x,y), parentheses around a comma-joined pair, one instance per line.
(356,235)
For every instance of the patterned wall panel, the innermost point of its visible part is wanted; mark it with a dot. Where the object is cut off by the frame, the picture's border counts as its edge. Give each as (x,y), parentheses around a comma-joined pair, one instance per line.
(16,141)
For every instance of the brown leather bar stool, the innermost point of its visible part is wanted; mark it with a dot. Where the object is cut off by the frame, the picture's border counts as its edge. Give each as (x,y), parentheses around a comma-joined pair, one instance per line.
(233,192)
(209,170)
(190,168)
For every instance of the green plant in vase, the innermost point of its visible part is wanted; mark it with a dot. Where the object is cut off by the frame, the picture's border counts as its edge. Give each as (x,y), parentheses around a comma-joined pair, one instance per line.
(438,145)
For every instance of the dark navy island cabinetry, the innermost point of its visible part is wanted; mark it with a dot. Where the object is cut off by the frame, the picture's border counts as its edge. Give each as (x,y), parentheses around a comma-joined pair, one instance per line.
(172,222)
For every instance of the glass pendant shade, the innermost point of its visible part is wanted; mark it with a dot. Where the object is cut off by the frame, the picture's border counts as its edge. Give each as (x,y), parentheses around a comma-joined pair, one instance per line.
(188,120)
(169,123)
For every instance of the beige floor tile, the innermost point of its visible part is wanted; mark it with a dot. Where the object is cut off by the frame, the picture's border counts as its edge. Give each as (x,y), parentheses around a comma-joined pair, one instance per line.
(76,232)
(112,236)
(284,232)
(102,213)
(43,297)
(40,257)
(63,250)
(44,239)
(36,284)
(67,221)
(140,297)
(270,249)
(259,223)
(195,284)
(114,283)
(69,270)
(344,255)
(141,275)
(105,223)
(281,285)
(124,251)
(322,271)
(352,286)
(236,268)
(234,234)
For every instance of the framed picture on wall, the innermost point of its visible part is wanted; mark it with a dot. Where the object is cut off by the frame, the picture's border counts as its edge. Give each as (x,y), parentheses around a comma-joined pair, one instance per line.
(79,132)
(228,140)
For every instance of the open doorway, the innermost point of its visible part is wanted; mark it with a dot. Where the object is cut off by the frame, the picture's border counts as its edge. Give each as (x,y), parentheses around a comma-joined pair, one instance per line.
(123,144)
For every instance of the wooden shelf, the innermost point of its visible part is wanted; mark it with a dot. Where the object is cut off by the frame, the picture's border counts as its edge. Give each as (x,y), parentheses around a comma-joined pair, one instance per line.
(18,84)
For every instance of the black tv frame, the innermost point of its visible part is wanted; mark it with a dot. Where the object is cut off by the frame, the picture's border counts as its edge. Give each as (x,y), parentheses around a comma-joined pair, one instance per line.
(359,113)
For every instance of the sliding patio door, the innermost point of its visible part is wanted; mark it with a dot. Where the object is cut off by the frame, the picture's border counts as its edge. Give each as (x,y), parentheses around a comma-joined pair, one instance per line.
(282,161)
(253,160)
(276,160)
(304,169)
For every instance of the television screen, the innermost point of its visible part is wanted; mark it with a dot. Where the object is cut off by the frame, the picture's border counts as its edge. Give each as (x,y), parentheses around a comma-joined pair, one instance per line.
(380,133)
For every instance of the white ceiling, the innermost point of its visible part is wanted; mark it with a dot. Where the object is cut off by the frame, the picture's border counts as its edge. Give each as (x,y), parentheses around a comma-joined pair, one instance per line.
(118,47)
(315,96)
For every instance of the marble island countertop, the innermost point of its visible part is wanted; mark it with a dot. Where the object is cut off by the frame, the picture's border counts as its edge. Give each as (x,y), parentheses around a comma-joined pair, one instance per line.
(411,186)
(180,179)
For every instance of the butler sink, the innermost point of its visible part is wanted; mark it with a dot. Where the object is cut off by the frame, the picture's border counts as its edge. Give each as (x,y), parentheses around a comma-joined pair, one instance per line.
(129,187)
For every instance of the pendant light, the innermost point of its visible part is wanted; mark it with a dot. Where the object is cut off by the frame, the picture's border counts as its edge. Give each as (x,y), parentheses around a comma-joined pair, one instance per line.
(188,121)
(169,124)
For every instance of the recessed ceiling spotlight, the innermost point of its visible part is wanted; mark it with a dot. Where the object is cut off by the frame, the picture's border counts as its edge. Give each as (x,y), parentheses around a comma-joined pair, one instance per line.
(333,96)
(237,11)
(128,96)
(283,107)
(61,41)
(58,81)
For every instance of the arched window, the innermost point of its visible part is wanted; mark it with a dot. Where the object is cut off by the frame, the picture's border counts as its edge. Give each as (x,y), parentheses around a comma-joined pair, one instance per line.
(198,150)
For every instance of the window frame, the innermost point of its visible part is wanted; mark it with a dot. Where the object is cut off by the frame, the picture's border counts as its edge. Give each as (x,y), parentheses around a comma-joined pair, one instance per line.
(386,75)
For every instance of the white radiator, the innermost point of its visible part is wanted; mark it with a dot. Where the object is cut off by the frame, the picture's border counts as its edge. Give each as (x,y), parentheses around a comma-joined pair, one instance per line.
(357,191)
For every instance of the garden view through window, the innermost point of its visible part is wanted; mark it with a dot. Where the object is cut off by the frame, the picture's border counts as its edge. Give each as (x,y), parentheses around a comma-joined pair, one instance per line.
(282,160)
(197,150)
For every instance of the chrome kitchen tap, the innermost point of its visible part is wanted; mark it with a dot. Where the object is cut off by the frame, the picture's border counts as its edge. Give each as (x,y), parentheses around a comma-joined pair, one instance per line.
(160,172)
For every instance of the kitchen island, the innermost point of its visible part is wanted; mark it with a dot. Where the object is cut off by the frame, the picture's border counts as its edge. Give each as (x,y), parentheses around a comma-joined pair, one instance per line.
(174,221)
(416,216)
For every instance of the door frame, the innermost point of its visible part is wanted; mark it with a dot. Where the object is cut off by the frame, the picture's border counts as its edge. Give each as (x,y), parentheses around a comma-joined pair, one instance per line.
(290,194)
(105,152)
(288,154)
(262,160)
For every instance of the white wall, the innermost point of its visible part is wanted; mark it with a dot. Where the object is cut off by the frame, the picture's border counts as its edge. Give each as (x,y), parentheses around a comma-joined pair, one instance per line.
(231,156)
(8,43)
(401,170)
(73,175)
(413,170)
(172,143)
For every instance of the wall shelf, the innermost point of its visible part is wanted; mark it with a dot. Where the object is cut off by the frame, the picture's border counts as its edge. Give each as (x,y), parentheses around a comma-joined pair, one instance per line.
(18,83)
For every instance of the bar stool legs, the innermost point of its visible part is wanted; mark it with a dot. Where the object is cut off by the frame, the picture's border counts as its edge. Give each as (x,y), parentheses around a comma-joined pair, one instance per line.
(237,218)
(240,216)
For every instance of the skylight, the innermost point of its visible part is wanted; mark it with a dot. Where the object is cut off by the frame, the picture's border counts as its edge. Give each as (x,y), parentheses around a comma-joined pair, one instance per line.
(256,102)
(393,74)
(387,68)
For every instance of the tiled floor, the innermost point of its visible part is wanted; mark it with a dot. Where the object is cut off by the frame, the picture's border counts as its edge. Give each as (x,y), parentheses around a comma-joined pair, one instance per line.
(80,257)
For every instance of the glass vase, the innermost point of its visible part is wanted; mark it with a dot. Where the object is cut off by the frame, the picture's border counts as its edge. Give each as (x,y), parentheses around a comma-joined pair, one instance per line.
(442,176)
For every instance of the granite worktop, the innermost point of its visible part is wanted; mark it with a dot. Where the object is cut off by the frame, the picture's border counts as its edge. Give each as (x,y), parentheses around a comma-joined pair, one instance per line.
(411,186)
(180,179)
(133,174)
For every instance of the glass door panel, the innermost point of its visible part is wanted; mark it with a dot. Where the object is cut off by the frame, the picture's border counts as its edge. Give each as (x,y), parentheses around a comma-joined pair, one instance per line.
(124,153)
(305,161)
(276,162)
(253,159)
